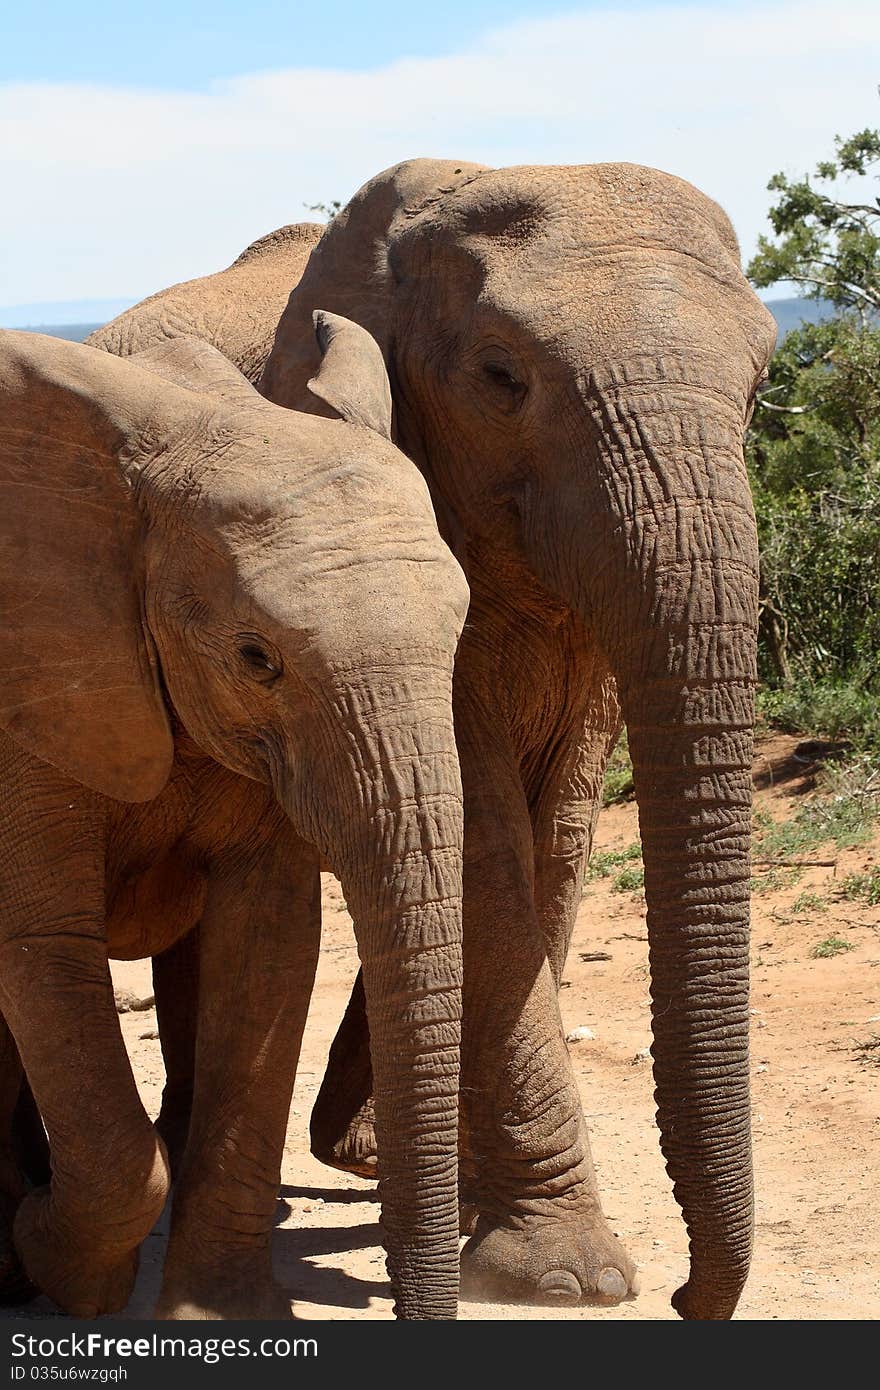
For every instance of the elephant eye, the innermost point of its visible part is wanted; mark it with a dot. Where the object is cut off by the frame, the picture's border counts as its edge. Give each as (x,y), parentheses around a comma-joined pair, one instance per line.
(259,664)
(508,389)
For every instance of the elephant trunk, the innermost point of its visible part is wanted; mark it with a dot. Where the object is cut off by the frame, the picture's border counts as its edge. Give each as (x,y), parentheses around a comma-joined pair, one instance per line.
(398,853)
(691,752)
(676,608)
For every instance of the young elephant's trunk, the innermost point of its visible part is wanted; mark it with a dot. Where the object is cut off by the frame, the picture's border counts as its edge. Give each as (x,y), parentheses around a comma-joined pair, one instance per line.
(398,853)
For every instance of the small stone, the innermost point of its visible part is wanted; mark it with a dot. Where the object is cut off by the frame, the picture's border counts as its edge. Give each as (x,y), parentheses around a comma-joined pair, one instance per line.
(762,1066)
(153,1033)
(129,1003)
(582,1034)
(643,1055)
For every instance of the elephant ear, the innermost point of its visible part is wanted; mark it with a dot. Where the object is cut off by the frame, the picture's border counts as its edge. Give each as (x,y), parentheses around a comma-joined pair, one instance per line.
(347,273)
(197,366)
(352,376)
(79,683)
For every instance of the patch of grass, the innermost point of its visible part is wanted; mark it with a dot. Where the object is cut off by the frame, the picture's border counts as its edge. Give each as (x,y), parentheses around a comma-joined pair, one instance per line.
(831,946)
(809,902)
(774,880)
(629,881)
(603,862)
(863,887)
(843,818)
(618,784)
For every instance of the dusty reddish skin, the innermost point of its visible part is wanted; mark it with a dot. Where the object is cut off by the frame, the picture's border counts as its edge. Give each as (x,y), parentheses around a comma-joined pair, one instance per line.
(198,702)
(235,310)
(574,353)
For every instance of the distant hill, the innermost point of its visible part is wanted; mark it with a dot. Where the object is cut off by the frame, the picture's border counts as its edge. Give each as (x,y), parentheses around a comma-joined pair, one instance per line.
(791,313)
(66,313)
(73,332)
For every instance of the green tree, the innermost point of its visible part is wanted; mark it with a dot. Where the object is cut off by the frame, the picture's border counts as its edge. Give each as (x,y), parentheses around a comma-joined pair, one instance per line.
(814,444)
(827,244)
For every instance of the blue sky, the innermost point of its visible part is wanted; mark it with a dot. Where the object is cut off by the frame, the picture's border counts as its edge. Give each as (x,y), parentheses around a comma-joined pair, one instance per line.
(141,145)
(186,44)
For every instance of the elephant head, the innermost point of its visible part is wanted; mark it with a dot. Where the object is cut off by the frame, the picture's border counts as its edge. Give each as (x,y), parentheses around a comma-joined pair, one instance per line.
(277,582)
(574,354)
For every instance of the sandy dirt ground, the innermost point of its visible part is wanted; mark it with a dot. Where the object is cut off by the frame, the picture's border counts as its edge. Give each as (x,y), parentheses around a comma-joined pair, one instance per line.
(816,1102)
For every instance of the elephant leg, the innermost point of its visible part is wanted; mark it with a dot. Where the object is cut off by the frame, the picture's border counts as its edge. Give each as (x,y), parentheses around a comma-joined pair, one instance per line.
(564,804)
(259,940)
(77,1237)
(540,1231)
(341,1127)
(176,989)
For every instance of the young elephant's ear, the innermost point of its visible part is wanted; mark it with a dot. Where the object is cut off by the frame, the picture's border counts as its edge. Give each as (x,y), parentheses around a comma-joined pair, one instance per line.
(79,683)
(352,376)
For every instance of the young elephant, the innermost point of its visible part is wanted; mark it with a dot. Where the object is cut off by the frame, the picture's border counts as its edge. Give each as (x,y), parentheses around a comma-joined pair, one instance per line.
(226,651)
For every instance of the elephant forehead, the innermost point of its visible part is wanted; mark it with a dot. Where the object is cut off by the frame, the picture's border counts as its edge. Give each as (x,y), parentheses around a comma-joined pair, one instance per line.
(295,470)
(578,209)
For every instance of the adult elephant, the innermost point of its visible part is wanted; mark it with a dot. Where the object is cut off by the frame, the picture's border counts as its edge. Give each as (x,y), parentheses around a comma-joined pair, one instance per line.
(226,651)
(574,354)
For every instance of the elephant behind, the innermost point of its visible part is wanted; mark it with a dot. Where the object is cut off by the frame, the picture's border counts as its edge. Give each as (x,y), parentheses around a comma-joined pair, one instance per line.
(235,310)
(574,354)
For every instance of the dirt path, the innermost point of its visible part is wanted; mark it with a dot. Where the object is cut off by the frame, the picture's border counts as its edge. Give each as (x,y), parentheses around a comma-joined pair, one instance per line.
(816,1102)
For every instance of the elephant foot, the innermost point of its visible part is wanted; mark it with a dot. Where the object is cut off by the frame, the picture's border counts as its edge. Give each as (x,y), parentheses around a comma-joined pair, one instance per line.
(354,1149)
(547,1260)
(228,1289)
(80,1281)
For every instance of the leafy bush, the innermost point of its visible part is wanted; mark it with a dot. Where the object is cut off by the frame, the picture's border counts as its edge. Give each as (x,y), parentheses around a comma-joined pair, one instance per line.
(603,862)
(618,774)
(837,710)
(629,881)
(814,452)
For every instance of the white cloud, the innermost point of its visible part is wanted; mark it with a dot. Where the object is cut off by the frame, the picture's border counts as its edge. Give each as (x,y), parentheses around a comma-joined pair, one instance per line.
(115,191)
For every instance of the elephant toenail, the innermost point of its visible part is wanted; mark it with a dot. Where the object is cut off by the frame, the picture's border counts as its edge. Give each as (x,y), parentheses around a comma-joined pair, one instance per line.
(560,1286)
(612,1284)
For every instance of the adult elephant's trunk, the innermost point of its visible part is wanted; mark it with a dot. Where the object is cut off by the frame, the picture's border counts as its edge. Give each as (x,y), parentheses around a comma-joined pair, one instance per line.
(675,604)
(398,854)
(691,761)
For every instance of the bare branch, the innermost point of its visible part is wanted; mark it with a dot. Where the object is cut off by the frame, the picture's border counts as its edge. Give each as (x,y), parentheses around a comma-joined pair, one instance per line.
(782,409)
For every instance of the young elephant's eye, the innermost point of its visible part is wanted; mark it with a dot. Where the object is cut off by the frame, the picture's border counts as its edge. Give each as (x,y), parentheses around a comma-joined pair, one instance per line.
(259,663)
